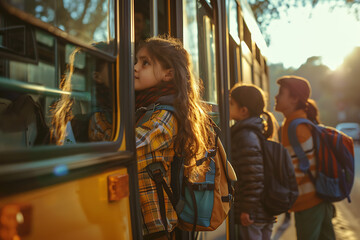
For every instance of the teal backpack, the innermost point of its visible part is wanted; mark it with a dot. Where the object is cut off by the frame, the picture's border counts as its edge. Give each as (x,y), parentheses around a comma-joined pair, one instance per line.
(202,205)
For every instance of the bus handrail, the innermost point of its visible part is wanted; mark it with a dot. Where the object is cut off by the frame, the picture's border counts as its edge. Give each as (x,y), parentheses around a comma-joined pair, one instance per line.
(15,85)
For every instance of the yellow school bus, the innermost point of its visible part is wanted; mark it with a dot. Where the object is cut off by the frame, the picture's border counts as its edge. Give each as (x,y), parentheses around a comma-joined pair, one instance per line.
(65,66)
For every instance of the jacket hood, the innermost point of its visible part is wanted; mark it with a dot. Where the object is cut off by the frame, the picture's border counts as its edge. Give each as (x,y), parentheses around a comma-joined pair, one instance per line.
(252,122)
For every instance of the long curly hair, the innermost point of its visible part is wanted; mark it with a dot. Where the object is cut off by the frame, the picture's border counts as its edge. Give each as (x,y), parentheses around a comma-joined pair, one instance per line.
(62,109)
(194,136)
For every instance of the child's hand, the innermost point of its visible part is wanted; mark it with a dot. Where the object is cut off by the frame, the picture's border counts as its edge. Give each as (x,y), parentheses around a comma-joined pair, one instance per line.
(245,219)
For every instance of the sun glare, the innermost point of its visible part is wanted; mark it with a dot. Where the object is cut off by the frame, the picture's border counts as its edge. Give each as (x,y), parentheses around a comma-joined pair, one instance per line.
(331,35)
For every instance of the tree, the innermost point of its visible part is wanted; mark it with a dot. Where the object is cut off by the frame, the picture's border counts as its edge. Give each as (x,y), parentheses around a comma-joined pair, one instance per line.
(348,84)
(323,90)
(83,19)
(267,10)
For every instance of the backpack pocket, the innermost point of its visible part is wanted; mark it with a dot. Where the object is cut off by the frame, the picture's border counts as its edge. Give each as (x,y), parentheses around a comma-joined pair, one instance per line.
(204,202)
(328,187)
(279,201)
(199,199)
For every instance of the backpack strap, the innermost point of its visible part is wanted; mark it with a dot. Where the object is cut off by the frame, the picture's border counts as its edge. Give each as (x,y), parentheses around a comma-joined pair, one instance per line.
(230,195)
(304,163)
(143,114)
(156,170)
(157,173)
(279,133)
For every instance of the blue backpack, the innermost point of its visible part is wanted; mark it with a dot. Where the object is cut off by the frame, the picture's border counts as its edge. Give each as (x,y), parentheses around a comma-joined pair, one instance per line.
(334,160)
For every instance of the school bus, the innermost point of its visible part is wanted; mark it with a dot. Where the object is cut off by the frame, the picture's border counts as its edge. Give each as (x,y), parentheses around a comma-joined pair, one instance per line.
(64,66)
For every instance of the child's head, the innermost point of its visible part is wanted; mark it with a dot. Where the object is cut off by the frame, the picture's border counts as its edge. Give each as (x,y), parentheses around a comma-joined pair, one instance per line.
(165,60)
(168,61)
(294,94)
(246,101)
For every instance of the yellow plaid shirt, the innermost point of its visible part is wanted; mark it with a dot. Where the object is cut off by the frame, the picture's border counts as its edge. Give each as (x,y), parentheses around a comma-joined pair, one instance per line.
(154,143)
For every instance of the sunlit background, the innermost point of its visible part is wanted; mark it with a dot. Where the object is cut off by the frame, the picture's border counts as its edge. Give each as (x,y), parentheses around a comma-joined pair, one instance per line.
(305,31)
(322,44)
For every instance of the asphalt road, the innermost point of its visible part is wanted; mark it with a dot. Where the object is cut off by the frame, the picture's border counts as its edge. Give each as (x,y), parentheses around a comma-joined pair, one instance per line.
(347,220)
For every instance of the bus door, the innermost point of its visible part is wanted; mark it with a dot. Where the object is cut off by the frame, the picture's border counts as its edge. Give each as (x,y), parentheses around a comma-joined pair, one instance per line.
(200,40)
(67,167)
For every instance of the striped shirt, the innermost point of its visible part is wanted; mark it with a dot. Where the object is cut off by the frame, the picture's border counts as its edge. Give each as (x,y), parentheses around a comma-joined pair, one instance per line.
(154,143)
(307,195)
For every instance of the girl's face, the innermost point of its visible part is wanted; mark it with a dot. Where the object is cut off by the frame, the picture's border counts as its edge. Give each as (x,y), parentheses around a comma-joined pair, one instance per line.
(284,102)
(148,73)
(237,113)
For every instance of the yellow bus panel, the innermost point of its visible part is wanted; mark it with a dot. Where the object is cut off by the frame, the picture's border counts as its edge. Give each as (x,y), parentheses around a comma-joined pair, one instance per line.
(76,210)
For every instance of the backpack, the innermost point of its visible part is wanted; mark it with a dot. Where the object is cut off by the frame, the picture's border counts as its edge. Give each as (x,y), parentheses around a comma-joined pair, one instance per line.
(335,160)
(202,205)
(280,187)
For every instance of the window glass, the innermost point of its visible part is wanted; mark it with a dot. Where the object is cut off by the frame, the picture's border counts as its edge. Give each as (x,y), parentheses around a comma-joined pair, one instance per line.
(89,21)
(199,40)
(233,19)
(209,70)
(234,62)
(62,96)
(16,39)
(209,2)
(265,84)
(246,71)
(142,21)
(257,74)
(257,79)
(163,24)
(191,41)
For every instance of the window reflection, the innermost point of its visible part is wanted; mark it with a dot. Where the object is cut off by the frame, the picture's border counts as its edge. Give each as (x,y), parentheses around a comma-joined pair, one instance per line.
(210,91)
(233,20)
(191,42)
(64,96)
(199,40)
(87,20)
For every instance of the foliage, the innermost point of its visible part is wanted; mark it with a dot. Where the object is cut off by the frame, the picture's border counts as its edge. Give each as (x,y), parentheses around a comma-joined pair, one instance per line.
(84,19)
(267,10)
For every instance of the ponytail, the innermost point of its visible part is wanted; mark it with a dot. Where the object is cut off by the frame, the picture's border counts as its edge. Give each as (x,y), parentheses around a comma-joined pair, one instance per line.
(269,128)
(312,111)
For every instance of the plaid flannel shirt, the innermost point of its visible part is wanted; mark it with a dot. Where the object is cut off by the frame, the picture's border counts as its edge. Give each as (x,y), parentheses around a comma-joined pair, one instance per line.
(100,128)
(154,143)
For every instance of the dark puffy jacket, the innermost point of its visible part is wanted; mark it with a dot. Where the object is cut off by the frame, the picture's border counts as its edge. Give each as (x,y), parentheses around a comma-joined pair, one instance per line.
(247,161)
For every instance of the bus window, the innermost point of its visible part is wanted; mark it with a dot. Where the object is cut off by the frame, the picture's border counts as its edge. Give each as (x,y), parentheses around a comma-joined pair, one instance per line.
(246,61)
(199,40)
(191,41)
(151,19)
(234,62)
(163,17)
(56,93)
(257,79)
(257,67)
(142,21)
(233,20)
(90,22)
(246,51)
